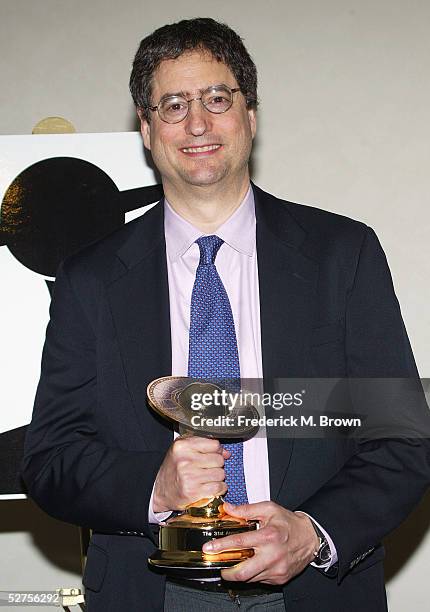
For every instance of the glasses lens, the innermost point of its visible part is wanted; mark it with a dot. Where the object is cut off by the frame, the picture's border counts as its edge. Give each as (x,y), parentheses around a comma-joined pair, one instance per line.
(217,99)
(173,109)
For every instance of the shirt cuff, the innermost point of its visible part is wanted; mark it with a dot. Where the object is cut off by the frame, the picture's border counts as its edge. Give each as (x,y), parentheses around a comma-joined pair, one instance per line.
(333,551)
(156,517)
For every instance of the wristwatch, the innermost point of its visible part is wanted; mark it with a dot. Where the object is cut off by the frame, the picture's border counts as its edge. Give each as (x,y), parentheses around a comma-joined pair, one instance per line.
(323,554)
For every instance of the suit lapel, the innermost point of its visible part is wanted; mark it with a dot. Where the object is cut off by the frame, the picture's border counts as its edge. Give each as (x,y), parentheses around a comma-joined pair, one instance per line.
(139,302)
(287,281)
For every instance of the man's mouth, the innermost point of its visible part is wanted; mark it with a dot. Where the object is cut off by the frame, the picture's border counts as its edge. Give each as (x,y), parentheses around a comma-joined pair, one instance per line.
(202,149)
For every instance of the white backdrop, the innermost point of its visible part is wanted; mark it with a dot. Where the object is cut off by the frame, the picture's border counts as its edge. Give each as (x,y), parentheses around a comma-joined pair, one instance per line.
(25,299)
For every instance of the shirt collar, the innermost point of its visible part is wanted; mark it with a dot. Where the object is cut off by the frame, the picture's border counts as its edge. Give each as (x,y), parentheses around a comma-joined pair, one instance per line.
(238,231)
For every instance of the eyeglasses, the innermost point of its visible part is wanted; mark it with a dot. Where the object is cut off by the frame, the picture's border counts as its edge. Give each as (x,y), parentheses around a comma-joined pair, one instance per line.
(215,99)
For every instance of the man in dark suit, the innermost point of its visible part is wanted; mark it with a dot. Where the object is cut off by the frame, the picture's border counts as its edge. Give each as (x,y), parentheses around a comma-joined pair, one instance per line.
(318,303)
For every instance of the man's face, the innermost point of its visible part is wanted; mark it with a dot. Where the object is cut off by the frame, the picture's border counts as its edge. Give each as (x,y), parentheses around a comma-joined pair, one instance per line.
(229,134)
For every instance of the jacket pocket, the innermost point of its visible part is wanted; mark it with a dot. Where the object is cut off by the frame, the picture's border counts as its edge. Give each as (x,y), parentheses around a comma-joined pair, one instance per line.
(95,568)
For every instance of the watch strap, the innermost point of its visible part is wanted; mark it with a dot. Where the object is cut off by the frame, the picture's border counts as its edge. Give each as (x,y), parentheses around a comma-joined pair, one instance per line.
(323,554)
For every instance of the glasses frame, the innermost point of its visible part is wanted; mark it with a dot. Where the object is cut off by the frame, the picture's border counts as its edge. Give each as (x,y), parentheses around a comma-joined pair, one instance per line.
(232,90)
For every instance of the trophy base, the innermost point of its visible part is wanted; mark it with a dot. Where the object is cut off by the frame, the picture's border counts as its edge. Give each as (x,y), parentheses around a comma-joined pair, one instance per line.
(191,560)
(181,540)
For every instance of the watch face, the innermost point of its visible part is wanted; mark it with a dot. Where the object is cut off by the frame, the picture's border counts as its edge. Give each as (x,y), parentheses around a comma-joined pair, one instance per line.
(324,554)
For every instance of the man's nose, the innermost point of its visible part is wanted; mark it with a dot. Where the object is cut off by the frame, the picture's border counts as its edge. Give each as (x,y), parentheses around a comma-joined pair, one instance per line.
(198,119)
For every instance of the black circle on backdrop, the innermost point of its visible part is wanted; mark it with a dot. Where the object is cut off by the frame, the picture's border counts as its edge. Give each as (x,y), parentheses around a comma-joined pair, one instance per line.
(55,207)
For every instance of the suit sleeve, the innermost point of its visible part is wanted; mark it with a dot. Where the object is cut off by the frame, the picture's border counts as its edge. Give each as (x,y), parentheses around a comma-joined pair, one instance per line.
(68,470)
(380,484)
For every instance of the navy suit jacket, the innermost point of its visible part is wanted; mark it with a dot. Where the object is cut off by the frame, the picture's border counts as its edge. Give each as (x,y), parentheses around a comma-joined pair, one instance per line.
(93,449)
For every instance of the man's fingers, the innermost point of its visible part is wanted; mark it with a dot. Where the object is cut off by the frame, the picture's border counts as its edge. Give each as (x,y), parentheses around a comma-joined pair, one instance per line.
(245,571)
(212,489)
(259,511)
(200,464)
(202,445)
(265,577)
(210,460)
(212,475)
(261,568)
(247,539)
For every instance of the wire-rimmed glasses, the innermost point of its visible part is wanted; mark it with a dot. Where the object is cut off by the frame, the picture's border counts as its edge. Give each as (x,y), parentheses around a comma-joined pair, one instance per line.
(215,99)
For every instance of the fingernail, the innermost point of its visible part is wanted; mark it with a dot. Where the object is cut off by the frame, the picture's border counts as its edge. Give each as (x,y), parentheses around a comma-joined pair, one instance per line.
(208,547)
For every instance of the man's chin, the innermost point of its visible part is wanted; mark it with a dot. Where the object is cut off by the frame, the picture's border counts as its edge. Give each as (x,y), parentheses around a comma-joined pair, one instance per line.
(202,179)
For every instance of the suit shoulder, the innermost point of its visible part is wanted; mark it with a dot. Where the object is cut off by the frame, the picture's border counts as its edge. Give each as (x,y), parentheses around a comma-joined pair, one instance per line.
(314,219)
(327,231)
(322,235)
(330,234)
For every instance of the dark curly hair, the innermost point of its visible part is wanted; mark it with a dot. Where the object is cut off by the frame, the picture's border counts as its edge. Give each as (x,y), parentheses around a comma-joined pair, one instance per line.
(171,41)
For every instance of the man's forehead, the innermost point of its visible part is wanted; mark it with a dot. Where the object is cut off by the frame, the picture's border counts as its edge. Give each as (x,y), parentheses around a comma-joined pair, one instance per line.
(190,72)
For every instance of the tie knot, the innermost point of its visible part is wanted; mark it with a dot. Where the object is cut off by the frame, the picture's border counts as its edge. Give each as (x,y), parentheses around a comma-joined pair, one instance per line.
(209,247)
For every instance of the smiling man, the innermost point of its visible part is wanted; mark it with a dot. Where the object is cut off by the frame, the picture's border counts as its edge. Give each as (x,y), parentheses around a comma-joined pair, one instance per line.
(200,135)
(191,146)
(219,279)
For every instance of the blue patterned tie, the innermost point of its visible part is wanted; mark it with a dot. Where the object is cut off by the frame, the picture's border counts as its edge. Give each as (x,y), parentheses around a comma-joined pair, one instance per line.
(213,347)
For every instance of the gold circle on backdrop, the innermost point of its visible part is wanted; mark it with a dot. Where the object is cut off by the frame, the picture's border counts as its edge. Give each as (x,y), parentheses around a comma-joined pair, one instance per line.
(54,125)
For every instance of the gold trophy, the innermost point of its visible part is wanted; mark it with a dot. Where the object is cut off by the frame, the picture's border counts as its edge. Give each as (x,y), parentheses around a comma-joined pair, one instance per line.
(181,537)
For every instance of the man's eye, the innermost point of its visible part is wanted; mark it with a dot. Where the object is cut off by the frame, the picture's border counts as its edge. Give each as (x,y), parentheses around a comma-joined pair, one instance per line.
(174,107)
(218,103)
(218,100)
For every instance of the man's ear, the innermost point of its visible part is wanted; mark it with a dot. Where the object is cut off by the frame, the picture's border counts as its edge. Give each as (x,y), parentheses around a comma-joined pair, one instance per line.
(145,129)
(252,115)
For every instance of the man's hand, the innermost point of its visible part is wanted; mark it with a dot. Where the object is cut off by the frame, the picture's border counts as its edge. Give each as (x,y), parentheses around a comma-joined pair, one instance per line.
(284,545)
(193,468)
